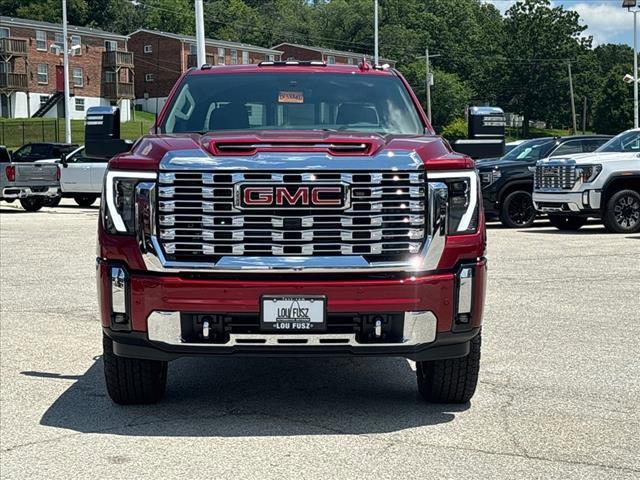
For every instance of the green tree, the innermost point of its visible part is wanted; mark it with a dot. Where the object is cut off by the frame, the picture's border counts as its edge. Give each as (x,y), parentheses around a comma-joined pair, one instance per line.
(539,42)
(449,94)
(614,112)
(51,11)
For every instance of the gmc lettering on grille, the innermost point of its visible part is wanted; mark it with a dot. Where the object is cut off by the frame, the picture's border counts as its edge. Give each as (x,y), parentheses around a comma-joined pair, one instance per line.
(296,196)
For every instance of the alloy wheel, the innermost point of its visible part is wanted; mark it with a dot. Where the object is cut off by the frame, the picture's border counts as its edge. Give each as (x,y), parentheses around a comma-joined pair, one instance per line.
(627,211)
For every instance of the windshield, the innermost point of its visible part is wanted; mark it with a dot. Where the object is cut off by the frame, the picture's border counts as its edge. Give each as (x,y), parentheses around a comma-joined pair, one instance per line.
(286,101)
(531,150)
(625,142)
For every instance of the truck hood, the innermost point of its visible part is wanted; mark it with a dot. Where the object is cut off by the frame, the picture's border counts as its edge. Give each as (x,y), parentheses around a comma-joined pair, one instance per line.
(150,150)
(590,158)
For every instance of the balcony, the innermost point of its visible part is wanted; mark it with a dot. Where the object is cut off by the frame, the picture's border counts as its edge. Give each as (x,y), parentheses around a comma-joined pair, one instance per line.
(13,46)
(13,81)
(192,60)
(117,59)
(118,90)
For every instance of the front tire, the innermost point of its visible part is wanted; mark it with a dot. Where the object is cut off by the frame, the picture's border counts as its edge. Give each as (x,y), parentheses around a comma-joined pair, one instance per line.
(565,222)
(517,210)
(132,381)
(84,200)
(622,213)
(32,204)
(452,380)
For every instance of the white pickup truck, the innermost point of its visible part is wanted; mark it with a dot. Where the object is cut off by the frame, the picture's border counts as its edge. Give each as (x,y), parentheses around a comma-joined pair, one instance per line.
(604,184)
(81,177)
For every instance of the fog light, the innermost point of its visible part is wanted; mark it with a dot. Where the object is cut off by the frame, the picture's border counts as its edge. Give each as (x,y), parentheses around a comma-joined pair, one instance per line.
(119,297)
(585,198)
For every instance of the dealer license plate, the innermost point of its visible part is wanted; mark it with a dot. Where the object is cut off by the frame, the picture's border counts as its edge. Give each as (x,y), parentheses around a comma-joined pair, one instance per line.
(293,314)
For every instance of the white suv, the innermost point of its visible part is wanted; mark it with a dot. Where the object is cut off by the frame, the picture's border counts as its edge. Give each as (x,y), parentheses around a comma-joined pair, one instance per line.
(604,184)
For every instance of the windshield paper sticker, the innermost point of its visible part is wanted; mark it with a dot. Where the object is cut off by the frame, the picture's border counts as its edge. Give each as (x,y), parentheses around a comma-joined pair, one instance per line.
(291,97)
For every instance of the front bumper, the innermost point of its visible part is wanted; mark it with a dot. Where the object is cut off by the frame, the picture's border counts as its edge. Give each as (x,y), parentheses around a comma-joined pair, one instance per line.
(582,202)
(33,191)
(142,312)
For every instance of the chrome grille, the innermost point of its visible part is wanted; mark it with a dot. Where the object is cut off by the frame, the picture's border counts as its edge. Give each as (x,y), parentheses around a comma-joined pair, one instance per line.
(199,221)
(561,177)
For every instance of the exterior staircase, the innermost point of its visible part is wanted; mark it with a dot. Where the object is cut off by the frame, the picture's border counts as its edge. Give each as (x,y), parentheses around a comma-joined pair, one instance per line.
(49,104)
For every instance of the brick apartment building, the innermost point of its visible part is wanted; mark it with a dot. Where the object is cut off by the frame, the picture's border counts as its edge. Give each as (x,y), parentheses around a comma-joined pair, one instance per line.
(31,73)
(161,57)
(293,51)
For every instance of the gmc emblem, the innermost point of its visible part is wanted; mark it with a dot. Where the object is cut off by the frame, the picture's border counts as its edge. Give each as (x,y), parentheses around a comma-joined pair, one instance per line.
(291,196)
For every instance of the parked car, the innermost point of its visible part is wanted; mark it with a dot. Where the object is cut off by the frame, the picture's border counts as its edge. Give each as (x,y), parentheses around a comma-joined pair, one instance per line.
(290,209)
(507,182)
(31,183)
(81,177)
(604,184)
(32,152)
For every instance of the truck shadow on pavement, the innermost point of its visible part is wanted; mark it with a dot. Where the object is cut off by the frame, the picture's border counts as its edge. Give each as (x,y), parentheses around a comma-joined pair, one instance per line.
(232,397)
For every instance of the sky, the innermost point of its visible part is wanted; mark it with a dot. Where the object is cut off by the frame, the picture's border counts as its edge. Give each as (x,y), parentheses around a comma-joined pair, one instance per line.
(608,22)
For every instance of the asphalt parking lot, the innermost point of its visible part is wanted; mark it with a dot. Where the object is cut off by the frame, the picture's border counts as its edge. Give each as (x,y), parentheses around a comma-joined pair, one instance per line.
(558,393)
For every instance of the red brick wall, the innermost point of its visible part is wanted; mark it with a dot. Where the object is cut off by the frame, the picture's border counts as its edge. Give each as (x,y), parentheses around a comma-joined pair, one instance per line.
(166,61)
(90,60)
(292,52)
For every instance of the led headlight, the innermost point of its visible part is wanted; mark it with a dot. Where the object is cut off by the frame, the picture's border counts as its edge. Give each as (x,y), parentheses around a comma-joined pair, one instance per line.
(463,215)
(118,200)
(588,173)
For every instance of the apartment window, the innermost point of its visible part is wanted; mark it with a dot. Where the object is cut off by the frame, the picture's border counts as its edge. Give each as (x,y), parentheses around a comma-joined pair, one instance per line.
(234,56)
(270,58)
(43,99)
(111,45)
(59,40)
(193,49)
(4,32)
(110,76)
(79,104)
(149,77)
(77,76)
(148,49)
(245,58)
(43,73)
(331,59)
(220,56)
(76,41)
(41,40)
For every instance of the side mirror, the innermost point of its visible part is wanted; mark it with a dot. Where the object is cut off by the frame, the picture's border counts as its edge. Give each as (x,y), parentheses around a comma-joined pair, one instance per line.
(63,160)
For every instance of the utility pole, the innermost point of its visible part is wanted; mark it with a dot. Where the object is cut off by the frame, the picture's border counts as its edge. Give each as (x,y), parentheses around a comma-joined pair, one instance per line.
(375,20)
(65,61)
(584,116)
(201,52)
(426,56)
(573,101)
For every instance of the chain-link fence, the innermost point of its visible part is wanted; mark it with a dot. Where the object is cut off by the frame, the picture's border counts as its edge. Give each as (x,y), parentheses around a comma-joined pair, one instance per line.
(14,133)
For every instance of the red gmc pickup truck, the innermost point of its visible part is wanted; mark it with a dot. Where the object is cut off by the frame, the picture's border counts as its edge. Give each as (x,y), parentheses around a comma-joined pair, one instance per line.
(296,209)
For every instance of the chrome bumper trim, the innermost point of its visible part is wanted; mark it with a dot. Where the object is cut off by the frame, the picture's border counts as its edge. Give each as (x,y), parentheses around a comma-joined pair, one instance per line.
(25,192)
(419,328)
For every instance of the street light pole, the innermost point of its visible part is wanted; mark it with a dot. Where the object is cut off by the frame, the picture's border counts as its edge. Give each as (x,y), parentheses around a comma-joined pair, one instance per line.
(629,4)
(375,21)
(635,69)
(65,61)
(200,48)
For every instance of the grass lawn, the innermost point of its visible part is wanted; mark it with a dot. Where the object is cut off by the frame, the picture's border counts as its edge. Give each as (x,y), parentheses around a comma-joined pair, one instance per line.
(17,132)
